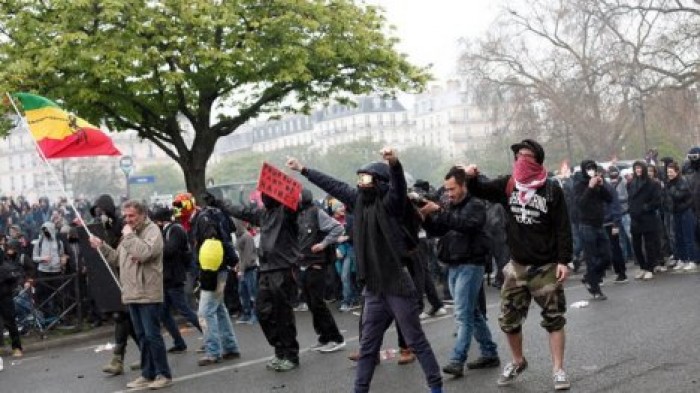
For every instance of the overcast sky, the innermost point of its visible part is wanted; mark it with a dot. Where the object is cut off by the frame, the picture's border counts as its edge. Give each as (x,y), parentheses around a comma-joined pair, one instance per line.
(429,30)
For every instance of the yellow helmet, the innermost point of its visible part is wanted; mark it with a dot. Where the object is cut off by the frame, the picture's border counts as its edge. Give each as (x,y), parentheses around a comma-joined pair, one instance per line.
(211,254)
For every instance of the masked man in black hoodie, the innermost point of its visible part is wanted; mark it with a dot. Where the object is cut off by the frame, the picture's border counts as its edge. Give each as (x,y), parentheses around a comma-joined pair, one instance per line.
(590,196)
(645,198)
(279,251)
(382,249)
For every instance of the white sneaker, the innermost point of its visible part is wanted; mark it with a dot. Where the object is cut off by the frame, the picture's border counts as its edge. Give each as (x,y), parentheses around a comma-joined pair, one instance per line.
(679,266)
(318,346)
(640,274)
(332,347)
(690,266)
(139,383)
(440,312)
(561,380)
(648,276)
(660,269)
(424,315)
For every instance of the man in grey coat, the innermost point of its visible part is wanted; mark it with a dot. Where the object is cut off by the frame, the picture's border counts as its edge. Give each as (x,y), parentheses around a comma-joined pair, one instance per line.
(139,256)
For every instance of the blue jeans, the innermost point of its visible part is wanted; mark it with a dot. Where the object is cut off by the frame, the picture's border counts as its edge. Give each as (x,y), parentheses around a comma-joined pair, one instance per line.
(146,321)
(465,281)
(576,238)
(626,237)
(219,337)
(597,248)
(247,291)
(349,292)
(175,298)
(684,229)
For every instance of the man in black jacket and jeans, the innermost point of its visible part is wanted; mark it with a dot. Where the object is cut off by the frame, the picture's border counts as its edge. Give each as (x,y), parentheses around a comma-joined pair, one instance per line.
(177,256)
(590,197)
(382,250)
(464,247)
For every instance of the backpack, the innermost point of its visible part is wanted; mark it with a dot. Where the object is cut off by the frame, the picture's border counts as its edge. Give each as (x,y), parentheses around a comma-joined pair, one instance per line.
(212,223)
(187,252)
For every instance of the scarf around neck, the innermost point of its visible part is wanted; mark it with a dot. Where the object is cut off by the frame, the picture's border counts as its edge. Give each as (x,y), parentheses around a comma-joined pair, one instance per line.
(529,176)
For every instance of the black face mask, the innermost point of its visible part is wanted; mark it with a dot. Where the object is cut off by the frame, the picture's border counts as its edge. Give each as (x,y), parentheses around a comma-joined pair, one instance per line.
(368,194)
(269,202)
(47,234)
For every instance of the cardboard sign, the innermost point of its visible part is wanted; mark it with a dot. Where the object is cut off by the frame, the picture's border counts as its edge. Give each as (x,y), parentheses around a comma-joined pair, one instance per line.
(277,185)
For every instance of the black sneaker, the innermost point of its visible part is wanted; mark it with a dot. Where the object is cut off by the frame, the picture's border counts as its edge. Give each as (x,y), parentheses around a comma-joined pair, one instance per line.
(621,280)
(176,349)
(231,355)
(599,297)
(454,368)
(484,362)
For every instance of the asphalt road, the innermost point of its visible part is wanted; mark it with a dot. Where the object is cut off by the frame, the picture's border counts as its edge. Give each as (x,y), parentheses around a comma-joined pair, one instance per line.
(643,339)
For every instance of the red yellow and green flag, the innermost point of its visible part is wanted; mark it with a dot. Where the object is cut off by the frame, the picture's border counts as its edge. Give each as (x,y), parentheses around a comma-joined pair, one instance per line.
(60,134)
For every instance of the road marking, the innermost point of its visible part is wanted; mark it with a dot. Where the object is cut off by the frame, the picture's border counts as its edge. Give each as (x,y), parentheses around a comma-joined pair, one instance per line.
(265,359)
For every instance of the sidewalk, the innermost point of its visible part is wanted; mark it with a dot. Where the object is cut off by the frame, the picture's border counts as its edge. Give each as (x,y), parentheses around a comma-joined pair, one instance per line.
(33,343)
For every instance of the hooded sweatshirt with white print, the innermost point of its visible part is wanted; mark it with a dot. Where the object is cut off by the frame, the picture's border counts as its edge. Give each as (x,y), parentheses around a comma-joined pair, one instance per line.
(48,247)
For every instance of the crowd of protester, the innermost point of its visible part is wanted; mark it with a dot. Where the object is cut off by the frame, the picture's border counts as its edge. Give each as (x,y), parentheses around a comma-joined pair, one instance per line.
(645,214)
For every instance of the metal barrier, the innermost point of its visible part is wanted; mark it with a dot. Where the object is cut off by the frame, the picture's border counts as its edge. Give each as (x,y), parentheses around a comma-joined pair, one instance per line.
(65,298)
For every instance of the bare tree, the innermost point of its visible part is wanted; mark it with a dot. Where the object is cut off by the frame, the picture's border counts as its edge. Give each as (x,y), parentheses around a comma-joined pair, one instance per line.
(670,46)
(559,55)
(589,69)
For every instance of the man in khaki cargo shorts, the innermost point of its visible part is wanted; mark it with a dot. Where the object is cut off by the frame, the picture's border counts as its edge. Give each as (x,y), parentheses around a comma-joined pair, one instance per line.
(539,238)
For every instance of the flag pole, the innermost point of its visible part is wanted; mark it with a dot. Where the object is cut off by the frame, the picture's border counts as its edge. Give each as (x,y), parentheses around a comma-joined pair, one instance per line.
(24,123)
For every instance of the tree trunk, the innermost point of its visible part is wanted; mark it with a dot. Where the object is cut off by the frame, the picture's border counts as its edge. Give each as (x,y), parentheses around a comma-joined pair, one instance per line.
(194,163)
(195,180)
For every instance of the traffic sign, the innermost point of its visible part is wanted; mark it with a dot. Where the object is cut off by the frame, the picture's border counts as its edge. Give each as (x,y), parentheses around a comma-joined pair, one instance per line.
(149,179)
(126,163)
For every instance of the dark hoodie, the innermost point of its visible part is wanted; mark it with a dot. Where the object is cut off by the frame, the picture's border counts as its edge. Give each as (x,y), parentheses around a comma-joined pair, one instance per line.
(279,245)
(645,199)
(316,227)
(590,201)
(245,246)
(382,240)
(111,222)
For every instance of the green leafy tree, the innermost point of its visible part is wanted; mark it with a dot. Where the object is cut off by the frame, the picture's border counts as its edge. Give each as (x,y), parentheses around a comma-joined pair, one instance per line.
(164,67)
(240,167)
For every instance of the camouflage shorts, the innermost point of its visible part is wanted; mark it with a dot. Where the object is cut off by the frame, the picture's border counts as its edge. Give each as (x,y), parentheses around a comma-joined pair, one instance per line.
(521,284)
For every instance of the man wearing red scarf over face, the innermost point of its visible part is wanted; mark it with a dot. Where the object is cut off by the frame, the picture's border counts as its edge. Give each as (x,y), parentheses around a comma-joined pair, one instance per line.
(539,238)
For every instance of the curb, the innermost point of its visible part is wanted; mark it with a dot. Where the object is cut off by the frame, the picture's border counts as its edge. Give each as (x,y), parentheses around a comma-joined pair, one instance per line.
(36,345)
